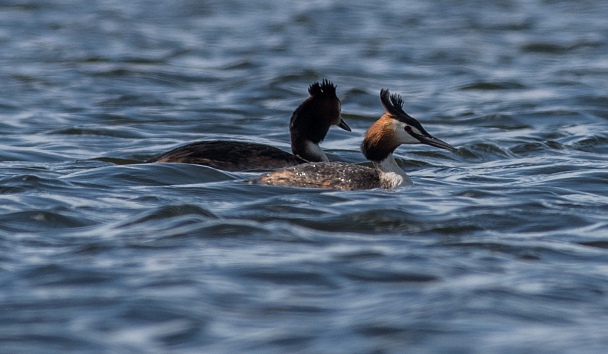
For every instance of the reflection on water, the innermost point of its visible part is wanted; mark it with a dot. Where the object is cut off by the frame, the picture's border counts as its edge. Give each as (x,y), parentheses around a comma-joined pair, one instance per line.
(499,248)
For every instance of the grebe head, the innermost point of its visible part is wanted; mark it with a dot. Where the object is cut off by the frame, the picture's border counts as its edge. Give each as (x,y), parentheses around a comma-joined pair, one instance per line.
(312,119)
(394,128)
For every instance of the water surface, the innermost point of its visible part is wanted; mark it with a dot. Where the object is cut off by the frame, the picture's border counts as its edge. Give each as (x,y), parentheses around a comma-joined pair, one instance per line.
(501,247)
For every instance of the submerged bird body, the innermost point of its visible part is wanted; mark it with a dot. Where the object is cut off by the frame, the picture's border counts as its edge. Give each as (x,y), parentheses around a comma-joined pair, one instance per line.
(231,156)
(330,175)
(308,127)
(394,128)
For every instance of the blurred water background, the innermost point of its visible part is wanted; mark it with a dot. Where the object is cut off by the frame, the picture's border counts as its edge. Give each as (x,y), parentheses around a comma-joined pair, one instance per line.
(499,248)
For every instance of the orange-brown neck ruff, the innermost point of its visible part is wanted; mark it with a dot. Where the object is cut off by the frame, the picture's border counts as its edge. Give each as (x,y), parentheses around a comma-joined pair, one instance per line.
(380,140)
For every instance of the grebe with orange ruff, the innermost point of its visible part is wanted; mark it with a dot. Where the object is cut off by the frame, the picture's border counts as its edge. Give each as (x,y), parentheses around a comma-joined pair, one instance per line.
(394,128)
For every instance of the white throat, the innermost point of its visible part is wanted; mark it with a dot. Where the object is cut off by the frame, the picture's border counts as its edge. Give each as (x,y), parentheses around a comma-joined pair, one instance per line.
(312,152)
(391,175)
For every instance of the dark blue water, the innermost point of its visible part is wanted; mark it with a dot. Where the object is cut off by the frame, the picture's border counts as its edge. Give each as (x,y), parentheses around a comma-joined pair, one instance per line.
(501,247)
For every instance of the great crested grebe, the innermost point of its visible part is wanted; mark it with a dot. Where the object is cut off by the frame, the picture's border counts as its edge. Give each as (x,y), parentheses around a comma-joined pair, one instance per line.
(394,128)
(308,126)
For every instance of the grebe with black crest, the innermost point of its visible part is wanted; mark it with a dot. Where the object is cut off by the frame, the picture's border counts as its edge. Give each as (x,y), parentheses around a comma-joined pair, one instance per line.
(308,127)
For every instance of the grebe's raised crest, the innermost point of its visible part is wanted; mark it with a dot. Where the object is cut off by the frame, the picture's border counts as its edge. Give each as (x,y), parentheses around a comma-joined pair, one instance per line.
(325,88)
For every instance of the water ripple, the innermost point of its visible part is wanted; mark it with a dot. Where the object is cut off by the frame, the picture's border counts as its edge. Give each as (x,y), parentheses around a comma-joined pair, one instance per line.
(499,247)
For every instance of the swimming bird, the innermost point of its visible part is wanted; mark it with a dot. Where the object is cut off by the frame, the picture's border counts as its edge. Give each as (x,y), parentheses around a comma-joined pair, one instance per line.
(393,128)
(308,127)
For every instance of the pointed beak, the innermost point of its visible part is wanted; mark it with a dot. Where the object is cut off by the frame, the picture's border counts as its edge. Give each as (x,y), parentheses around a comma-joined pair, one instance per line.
(430,140)
(343,125)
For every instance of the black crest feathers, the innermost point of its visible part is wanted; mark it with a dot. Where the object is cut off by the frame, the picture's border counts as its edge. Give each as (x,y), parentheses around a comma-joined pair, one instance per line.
(393,104)
(325,88)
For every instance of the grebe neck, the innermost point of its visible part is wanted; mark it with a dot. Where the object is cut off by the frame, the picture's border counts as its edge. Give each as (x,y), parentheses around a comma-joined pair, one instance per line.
(391,175)
(309,151)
